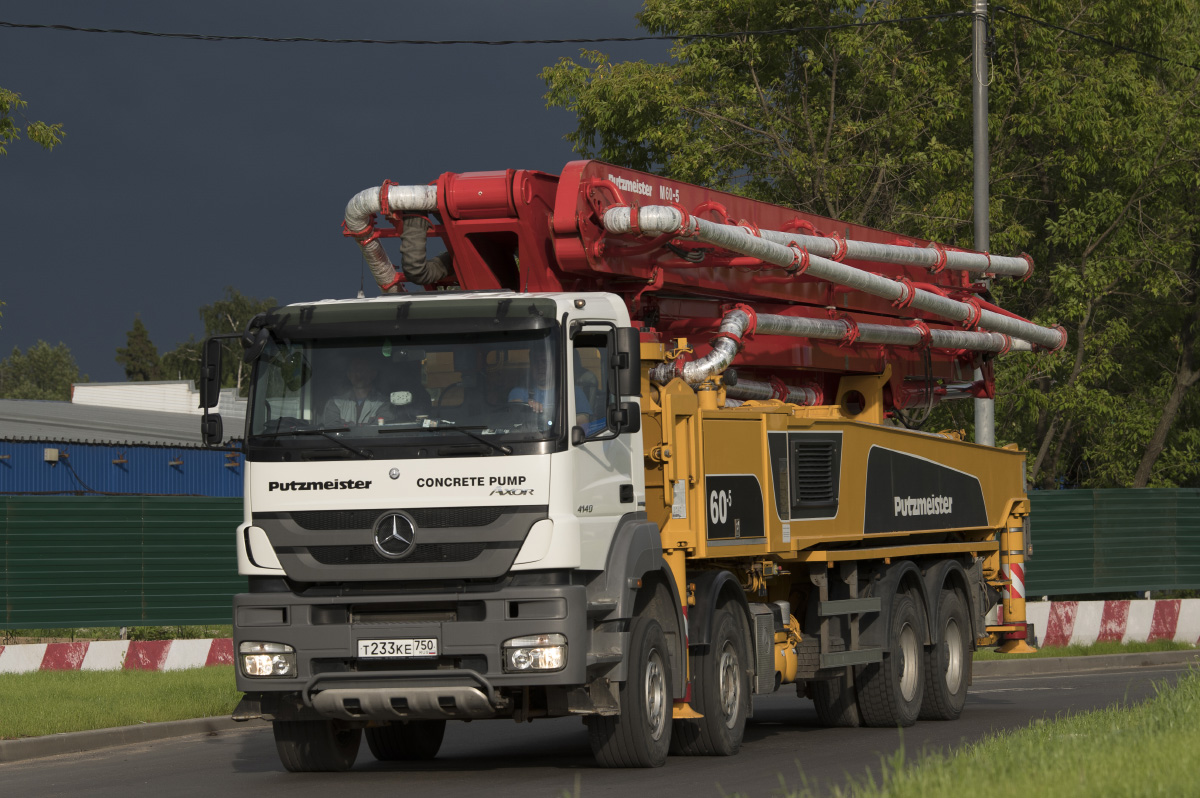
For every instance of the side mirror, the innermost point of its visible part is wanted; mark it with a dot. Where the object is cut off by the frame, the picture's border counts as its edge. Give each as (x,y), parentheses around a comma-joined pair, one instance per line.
(210,373)
(212,429)
(628,361)
(253,346)
(625,418)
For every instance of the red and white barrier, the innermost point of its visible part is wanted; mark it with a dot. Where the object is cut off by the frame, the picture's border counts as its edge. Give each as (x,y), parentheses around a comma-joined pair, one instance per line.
(1063,623)
(1057,623)
(115,655)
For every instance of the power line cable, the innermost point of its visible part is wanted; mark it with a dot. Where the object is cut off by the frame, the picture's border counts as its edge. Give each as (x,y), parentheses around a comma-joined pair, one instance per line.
(1043,23)
(206,37)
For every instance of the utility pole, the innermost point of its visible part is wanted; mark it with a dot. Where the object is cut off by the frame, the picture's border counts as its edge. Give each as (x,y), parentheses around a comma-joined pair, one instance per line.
(985,409)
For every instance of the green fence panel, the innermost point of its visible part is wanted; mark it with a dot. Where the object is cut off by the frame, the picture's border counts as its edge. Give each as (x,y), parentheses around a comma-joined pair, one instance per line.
(1113,541)
(71,562)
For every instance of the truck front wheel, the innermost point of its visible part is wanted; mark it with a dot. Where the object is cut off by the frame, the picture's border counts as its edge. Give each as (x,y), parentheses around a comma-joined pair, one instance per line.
(406,741)
(721,692)
(641,735)
(316,745)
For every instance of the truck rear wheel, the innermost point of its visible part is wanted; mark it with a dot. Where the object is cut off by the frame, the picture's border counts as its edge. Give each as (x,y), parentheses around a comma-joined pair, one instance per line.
(641,735)
(890,692)
(316,745)
(721,692)
(948,662)
(406,741)
(835,703)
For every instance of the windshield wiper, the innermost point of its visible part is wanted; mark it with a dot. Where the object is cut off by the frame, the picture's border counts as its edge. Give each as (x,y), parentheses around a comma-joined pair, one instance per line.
(464,430)
(324,432)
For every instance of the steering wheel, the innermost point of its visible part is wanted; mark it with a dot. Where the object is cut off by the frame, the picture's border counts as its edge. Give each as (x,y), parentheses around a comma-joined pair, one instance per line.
(446,392)
(520,414)
(289,424)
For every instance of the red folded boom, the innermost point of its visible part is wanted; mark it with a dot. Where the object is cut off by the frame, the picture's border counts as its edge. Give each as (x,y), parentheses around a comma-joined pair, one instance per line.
(531,231)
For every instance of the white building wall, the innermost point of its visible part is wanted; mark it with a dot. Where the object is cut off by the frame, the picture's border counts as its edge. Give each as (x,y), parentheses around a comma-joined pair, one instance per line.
(173,396)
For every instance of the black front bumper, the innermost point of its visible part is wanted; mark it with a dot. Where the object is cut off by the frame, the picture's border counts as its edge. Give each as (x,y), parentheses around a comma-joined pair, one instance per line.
(466,680)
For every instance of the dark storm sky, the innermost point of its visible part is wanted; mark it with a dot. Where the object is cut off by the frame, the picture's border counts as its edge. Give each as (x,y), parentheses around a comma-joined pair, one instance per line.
(189,166)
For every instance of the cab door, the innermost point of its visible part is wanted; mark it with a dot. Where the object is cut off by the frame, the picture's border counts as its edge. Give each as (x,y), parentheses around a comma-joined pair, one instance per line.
(606,486)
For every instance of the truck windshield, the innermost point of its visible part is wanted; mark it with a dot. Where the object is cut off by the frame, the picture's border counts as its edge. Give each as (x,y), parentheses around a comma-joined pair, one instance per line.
(486,391)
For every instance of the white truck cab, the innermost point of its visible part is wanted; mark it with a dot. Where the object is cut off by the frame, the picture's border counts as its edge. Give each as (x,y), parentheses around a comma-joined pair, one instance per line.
(444,503)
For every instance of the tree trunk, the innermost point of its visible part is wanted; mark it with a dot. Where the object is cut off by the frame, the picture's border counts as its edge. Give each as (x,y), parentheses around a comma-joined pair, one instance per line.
(1185,378)
(1064,442)
(1080,337)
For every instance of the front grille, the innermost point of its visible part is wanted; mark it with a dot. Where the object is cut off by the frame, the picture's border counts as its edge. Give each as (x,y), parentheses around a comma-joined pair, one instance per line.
(427,518)
(367,555)
(815,470)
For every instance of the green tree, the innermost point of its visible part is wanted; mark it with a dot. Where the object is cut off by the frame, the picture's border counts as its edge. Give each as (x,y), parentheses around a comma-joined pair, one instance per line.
(139,356)
(48,135)
(1094,167)
(229,314)
(41,372)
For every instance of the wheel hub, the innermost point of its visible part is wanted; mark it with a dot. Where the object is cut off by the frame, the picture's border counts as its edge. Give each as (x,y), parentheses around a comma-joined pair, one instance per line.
(909,651)
(655,695)
(729,684)
(953,641)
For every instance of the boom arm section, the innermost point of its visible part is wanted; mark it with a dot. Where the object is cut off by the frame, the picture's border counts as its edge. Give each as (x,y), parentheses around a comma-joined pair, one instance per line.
(817,298)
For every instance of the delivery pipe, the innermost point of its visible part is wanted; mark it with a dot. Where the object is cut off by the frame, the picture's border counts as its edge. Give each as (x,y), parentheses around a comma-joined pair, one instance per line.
(660,219)
(934,257)
(737,323)
(360,224)
(744,389)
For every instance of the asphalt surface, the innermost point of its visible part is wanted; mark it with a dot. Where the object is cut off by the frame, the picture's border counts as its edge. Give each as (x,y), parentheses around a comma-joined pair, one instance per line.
(552,757)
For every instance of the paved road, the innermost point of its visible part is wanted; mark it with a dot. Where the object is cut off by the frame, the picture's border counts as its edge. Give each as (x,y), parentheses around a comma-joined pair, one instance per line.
(548,758)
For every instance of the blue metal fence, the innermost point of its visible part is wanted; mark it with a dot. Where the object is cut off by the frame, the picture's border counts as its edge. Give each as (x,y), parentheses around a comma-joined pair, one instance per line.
(98,469)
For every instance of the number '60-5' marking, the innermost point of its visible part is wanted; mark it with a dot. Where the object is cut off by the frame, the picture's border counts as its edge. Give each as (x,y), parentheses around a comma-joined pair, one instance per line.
(719,502)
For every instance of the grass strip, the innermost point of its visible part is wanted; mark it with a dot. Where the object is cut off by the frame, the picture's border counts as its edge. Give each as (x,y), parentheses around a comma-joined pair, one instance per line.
(51,702)
(1094,649)
(1146,749)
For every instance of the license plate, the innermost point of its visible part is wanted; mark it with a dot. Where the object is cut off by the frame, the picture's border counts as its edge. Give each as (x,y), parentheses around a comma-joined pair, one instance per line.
(399,649)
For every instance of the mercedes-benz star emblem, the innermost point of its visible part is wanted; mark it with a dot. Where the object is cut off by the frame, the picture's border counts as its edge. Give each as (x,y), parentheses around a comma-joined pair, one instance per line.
(395,536)
(394,473)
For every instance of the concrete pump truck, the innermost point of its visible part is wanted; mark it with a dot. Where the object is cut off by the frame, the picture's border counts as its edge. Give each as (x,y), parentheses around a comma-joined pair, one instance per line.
(639,452)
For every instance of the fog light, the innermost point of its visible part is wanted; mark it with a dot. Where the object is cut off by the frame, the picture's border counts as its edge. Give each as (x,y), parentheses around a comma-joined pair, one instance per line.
(535,653)
(267,659)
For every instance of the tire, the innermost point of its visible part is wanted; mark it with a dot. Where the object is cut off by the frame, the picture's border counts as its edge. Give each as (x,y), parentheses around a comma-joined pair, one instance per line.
(640,736)
(406,741)
(316,745)
(948,663)
(890,692)
(836,703)
(720,692)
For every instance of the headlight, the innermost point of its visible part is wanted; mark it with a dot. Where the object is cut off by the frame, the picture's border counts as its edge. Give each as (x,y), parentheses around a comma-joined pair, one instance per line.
(535,653)
(267,659)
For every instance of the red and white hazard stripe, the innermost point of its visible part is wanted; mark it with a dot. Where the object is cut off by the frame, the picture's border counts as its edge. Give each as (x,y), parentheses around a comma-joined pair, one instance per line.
(1062,623)
(115,655)
(1015,574)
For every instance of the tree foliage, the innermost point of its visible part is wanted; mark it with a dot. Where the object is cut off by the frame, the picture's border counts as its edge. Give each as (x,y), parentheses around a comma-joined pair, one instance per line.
(1094,171)
(41,372)
(229,314)
(11,104)
(139,356)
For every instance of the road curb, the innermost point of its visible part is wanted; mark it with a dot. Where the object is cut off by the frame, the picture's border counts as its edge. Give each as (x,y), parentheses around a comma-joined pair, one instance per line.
(1046,666)
(96,739)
